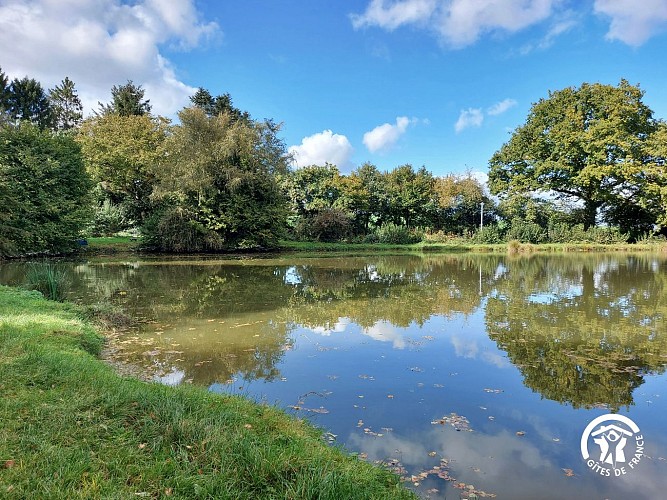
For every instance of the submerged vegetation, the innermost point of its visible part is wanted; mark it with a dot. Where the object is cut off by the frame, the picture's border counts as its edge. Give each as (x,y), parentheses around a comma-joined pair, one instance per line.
(72,428)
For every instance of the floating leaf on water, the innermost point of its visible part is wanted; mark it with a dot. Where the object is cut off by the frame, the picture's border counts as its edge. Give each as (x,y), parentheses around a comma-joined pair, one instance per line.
(390,396)
(569,472)
(459,422)
(520,433)
(555,440)
(432,453)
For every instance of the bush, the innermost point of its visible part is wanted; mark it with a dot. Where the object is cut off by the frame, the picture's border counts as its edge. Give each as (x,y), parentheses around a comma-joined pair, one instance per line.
(109,219)
(489,235)
(329,225)
(526,232)
(176,229)
(398,235)
(44,192)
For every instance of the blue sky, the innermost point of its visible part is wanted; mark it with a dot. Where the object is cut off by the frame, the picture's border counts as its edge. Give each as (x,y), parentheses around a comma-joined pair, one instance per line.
(439,83)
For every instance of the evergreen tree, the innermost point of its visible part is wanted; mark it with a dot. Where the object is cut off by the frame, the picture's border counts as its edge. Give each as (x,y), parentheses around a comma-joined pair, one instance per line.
(66,106)
(28,102)
(4,97)
(127,100)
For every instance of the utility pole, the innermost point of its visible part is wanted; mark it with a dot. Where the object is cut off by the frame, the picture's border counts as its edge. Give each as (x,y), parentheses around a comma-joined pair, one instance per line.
(481,216)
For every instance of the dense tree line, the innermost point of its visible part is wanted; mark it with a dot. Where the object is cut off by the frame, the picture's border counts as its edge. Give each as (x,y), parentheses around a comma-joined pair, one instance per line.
(588,165)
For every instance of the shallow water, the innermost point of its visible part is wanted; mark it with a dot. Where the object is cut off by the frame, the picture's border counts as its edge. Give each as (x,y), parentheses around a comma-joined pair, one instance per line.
(469,375)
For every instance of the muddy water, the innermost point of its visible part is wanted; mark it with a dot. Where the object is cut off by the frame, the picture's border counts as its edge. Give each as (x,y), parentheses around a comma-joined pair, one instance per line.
(469,375)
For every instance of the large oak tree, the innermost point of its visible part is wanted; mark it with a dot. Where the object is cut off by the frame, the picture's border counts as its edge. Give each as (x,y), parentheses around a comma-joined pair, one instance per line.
(585,144)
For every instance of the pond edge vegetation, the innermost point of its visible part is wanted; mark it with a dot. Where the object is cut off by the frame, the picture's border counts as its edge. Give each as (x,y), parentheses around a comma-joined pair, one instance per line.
(73,428)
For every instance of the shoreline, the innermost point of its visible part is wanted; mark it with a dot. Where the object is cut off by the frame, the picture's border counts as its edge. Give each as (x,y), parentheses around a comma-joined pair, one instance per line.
(73,427)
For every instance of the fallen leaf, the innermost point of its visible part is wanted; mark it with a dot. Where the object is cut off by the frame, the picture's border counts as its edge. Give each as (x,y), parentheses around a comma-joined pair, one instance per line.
(569,472)
(432,453)
(9,464)
(142,446)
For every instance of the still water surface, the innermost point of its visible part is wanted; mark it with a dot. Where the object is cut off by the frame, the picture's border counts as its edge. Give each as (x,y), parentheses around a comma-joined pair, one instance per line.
(469,375)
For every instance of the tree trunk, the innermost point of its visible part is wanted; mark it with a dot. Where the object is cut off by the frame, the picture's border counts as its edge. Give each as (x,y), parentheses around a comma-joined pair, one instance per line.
(590,214)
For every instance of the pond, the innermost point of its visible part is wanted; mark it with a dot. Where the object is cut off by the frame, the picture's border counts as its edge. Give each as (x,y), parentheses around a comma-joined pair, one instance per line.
(469,375)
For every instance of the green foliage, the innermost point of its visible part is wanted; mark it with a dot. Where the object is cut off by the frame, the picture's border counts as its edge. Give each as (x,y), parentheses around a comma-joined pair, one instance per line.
(489,235)
(44,191)
(122,155)
(223,172)
(110,218)
(395,234)
(330,224)
(28,102)
(584,144)
(48,279)
(126,100)
(67,110)
(411,197)
(459,203)
(177,229)
(214,106)
(526,232)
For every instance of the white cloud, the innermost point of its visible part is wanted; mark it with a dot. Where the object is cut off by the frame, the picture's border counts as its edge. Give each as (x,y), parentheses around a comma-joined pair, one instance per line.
(396,14)
(471,117)
(633,22)
(325,147)
(386,135)
(101,44)
(457,22)
(500,107)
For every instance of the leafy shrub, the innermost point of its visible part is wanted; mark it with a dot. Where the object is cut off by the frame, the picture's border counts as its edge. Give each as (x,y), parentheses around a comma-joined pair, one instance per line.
(526,232)
(109,219)
(398,235)
(44,191)
(564,233)
(330,224)
(605,235)
(489,235)
(176,229)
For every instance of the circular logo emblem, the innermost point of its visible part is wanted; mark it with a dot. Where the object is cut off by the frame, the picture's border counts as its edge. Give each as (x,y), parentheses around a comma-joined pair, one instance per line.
(612,445)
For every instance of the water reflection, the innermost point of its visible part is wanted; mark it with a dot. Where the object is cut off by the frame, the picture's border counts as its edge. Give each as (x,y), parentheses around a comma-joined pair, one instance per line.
(375,349)
(582,330)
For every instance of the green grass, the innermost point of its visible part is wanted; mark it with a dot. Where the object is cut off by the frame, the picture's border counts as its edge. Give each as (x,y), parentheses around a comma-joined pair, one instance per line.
(49,279)
(71,428)
(464,246)
(111,244)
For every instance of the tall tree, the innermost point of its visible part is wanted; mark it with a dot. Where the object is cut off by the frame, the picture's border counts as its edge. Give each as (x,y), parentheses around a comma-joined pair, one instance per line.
(122,154)
(582,144)
(412,199)
(28,102)
(127,100)
(4,96)
(44,191)
(459,200)
(214,106)
(66,106)
(221,174)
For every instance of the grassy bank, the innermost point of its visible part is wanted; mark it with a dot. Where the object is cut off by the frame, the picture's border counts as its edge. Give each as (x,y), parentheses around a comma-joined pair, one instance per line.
(121,244)
(467,247)
(71,428)
(104,245)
